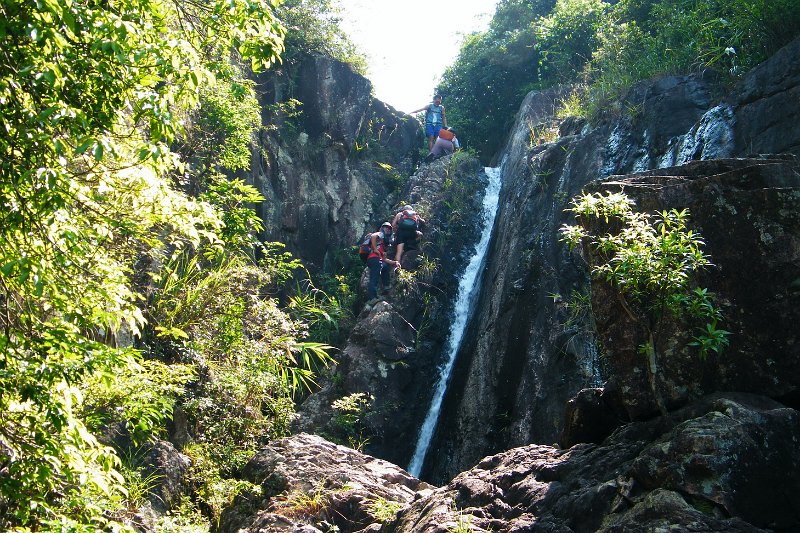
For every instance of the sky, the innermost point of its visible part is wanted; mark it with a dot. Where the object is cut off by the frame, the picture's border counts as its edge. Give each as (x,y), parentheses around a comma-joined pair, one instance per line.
(409,43)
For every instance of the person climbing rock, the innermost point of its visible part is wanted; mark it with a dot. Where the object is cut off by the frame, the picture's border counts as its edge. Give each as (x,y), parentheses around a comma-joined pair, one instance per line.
(377,262)
(446,143)
(406,224)
(435,119)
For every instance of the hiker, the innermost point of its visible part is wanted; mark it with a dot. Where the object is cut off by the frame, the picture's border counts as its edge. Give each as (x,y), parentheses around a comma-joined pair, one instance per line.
(446,143)
(435,119)
(377,261)
(406,224)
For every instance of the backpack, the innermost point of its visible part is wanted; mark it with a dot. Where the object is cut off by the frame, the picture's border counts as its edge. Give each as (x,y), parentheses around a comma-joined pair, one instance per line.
(408,220)
(365,247)
(447,135)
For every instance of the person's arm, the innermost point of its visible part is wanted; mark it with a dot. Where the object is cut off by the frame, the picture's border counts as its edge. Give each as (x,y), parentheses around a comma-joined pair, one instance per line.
(421,109)
(444,118)
(395,221)
(456,144)
(374,243)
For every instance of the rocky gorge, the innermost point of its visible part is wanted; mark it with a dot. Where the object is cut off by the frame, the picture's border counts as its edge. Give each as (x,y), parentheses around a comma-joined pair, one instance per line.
(547,423)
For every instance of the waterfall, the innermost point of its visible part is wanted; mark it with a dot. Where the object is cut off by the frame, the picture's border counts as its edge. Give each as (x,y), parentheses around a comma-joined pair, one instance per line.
(467,292)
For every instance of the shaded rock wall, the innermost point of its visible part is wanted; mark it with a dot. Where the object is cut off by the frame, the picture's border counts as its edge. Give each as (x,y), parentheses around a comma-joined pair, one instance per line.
(318,170)
(531,346)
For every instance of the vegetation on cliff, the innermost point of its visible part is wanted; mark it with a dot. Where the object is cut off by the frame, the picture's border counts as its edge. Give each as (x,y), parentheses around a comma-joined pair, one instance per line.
(651,264)
(600,48)
(129,269)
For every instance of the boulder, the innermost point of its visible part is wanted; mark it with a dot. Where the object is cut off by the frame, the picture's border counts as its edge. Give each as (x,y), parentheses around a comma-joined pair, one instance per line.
(310,484)
(726,463)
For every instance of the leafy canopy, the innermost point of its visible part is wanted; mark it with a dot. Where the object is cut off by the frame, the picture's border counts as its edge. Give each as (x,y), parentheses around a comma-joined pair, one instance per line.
(601,47)
(92,94)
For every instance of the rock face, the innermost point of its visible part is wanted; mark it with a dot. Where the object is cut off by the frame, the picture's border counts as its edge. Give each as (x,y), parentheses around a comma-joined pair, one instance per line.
(531,347)
(728,463)
(309,484)
(393,351)
(747,213)
(318,169)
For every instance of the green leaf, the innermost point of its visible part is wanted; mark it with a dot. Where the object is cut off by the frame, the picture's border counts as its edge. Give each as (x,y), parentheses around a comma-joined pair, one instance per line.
(7,268)
(83,146)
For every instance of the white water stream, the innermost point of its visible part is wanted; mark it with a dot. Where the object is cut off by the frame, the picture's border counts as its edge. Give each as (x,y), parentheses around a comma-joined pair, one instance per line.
(467,292)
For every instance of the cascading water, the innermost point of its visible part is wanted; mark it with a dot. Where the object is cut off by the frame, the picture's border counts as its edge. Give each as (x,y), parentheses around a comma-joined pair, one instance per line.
(467,291)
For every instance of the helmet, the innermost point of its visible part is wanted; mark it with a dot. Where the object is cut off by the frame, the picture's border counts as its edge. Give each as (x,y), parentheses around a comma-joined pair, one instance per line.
(386,224)
(407,207)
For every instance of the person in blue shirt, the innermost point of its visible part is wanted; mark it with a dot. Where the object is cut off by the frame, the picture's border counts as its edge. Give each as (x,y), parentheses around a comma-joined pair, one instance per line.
(435,119)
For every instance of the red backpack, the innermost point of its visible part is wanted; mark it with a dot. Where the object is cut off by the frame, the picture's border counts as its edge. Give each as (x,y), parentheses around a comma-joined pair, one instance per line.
(365,248)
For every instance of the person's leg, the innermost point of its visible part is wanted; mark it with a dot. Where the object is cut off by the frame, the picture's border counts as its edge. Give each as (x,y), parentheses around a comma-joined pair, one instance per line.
(432,139)
(448,148)
(385,271)
(374,265)
(429,133)
(399,253)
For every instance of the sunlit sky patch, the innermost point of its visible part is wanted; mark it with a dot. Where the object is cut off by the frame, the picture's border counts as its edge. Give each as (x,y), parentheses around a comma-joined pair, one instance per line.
(409,43)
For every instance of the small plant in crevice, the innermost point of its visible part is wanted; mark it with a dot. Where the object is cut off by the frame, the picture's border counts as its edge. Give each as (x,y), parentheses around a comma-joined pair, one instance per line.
(462,524)
(350,411)
(383,510)
(139,484)
(650,260)
(214,488)
(186,518)
(302,503)
(415,283)
(541,133)
(328,316)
